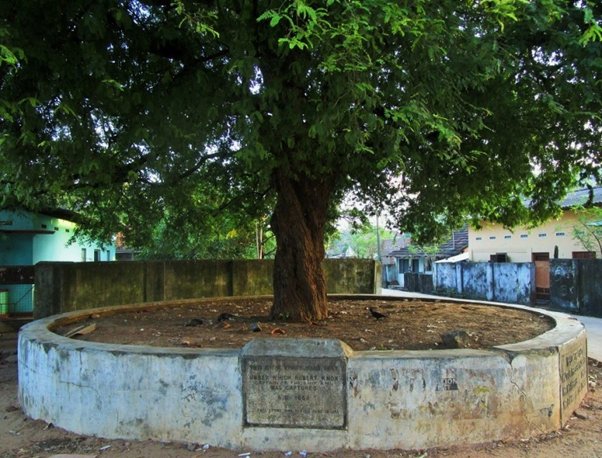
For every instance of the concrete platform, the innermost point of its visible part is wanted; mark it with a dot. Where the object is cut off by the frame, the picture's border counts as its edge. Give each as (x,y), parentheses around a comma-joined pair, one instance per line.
(312,394)
(593,325)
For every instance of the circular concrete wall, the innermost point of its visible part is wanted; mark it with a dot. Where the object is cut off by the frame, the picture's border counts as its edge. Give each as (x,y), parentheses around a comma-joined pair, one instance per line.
(293,394)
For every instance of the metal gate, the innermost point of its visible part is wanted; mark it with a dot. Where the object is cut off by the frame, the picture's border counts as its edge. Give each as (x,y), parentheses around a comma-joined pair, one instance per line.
(16,290)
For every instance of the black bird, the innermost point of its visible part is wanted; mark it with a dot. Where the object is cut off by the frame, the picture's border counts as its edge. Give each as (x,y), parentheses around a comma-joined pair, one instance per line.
(376,314)
(225,317)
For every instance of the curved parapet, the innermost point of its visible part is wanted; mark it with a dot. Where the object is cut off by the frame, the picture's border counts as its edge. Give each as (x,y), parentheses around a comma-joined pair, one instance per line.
(312,394)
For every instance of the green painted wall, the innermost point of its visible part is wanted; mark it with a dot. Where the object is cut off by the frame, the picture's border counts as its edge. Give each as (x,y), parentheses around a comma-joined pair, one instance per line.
(56,245)
(47,238)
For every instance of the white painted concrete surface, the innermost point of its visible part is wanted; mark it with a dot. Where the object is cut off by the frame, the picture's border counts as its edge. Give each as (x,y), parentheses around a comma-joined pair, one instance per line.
(593,326)
(393,399)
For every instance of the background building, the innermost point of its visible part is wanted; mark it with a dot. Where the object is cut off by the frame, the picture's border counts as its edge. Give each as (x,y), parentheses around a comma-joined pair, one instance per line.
(27,238)
(552,240)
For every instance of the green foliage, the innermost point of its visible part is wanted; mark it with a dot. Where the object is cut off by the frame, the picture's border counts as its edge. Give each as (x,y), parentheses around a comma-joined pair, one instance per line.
(594,26)
(211,238)
(362,241)
(147,114)
(588,231)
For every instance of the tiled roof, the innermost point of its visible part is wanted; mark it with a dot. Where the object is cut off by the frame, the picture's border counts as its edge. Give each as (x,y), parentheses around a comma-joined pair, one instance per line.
(455,245)
(60,213)
(581,196)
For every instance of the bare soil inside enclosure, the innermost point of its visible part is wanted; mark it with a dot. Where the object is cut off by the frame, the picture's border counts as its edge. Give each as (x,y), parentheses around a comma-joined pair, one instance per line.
(408,324)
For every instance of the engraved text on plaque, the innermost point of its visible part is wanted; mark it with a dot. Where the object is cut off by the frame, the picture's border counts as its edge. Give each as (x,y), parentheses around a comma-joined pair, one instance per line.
(297,392)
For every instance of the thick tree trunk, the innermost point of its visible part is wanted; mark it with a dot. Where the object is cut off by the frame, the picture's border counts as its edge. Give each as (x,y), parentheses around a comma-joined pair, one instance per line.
(298,223)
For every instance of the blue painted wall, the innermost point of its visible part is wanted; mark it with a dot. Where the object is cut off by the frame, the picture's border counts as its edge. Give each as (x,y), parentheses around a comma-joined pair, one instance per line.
(49,238)
(500,282)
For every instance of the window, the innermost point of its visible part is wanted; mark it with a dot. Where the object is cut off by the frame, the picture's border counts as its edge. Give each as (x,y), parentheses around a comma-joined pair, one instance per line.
(498,257)
(479,238)
(415,265)
(543,234)
(404,265)
(584,255)
(524,236)
(507,236)
(492,237)
(428,265)
(96,255)
(560,234)
(83,255)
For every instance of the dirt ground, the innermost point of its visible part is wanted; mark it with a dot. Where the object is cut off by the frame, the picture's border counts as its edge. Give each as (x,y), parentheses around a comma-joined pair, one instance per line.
(408,324)
(582,436)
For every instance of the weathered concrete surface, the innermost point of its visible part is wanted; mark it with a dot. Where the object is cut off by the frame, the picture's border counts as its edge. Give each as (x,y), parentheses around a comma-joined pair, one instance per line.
(590,287)
(593,325)
(352,276)
(507,282)
(576,285)
(186,279)
(476,280)
(563,285)
(452,397)
(64,287)
(512,282)
(58,285)
(135,392)
(447,277)
(393,399)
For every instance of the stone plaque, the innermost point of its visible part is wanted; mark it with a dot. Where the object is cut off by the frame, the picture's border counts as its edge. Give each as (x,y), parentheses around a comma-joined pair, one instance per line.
(573,376)
(295,392)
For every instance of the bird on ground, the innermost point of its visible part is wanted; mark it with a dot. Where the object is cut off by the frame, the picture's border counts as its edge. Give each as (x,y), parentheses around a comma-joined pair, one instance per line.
(376,314)
(225,317)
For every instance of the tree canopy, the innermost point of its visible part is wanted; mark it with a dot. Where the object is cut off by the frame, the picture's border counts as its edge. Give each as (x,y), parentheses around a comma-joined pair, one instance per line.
(588,230)
(137,111)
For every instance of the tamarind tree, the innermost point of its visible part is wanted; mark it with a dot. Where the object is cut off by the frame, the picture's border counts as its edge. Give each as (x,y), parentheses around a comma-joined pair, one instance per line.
(131,112)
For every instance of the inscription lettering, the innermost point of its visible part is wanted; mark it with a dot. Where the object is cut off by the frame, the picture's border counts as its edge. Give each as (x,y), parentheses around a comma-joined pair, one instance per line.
(450,384)
(294,392)
(573,376)
(448,381)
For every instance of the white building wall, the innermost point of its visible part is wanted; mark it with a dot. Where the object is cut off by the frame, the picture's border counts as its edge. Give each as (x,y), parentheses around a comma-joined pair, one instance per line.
(519,243)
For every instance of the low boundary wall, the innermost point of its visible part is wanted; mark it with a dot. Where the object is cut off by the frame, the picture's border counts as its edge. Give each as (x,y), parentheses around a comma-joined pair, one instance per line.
(576,285)
(63,287)
(508,282)
(372,399)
